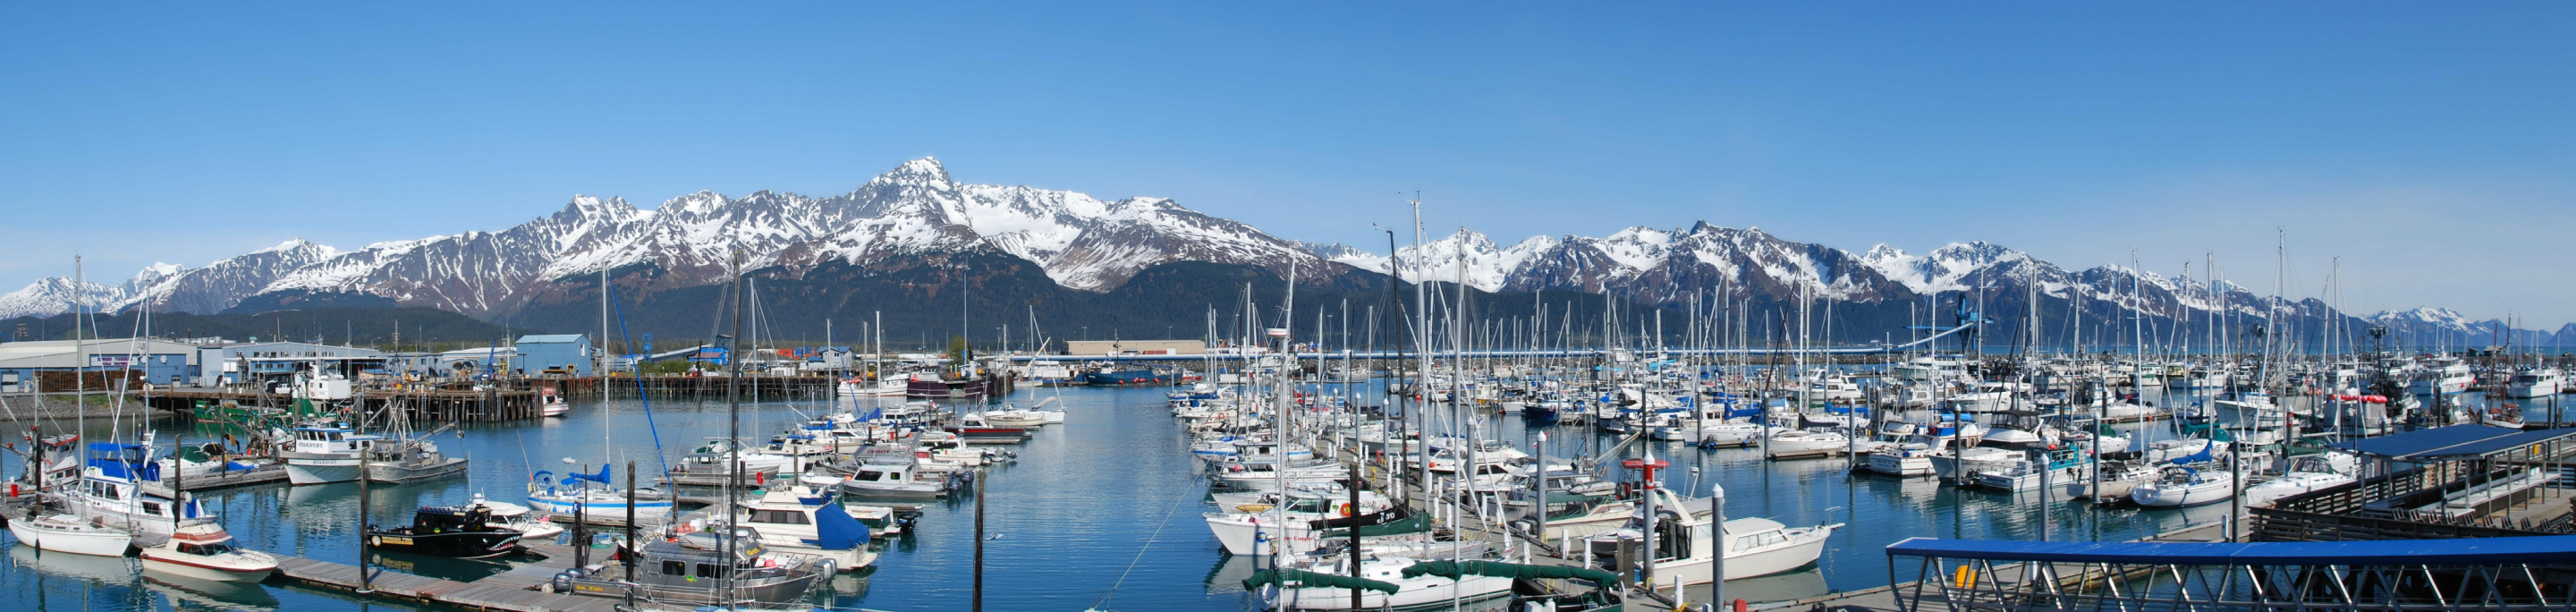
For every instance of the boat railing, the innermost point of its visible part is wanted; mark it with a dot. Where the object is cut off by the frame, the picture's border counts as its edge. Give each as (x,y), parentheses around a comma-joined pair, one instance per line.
(2523,573)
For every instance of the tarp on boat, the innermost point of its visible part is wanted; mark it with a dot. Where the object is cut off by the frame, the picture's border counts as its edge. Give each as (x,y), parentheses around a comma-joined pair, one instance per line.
(1454,569)
(1314,580)
(1413,524)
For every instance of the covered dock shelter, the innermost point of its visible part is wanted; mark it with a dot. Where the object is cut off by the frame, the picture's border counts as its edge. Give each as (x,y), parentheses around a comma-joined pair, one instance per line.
(2459,481)
(2515,573)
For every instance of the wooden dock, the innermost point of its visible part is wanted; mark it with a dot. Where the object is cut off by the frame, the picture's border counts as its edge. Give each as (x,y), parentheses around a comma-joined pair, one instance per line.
(492,405)
(522,589)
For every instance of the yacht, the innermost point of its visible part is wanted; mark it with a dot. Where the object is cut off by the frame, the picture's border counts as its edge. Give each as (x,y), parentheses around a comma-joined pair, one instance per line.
(1905,460)
(892,479)
(2445,376)
(550,403)
(2307,473)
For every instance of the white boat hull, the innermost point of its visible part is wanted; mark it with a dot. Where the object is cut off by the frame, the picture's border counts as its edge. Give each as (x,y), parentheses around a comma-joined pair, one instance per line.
(1422,591)
(202,570)
(105,544)
(321,471)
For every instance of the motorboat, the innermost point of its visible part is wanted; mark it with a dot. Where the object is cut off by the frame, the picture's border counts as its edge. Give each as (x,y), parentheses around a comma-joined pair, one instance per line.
(2307,473)
(1419,591)
(736,570)
(203,550)
(531,524)
(2536,382)
(2182,486)
(1906,460)
(411,460)
(1753,546)
(1791,443)
(892,479)
(788,524)
(462,532)
(2118,478)
(550,403)
(1263,528)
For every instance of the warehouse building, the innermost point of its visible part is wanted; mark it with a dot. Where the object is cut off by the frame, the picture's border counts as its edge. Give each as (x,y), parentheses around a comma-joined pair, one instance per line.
(53,365)
(554,354)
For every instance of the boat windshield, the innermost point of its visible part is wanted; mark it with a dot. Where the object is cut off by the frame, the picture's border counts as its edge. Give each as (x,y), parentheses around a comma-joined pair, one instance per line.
(211,549)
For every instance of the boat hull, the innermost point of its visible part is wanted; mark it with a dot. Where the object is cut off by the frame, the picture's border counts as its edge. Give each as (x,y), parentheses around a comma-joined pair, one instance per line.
(78,543)
(321,471)
(202,569)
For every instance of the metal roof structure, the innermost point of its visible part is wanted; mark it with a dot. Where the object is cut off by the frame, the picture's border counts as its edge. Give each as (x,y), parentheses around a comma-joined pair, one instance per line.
(2452,442)
(2538,550)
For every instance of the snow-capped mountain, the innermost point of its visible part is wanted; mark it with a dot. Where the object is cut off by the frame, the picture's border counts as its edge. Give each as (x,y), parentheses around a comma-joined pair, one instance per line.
(1080,241)
(916,210)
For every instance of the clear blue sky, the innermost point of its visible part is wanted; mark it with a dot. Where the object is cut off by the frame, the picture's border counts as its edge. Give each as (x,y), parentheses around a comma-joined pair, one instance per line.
(2428,144)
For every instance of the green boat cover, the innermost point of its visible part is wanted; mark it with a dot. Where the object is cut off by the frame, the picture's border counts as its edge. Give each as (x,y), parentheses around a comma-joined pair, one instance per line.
(1413,524)
(1554,498)
(1311,579)
(1454,569)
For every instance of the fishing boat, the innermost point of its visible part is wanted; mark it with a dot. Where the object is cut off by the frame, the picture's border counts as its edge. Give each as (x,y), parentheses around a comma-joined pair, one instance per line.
(2181,486)
(466,532)
(704,568)
(203,550)
(410,460)
(327,452)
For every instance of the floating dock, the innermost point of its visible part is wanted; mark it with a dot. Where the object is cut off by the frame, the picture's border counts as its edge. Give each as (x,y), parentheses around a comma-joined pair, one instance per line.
(518,590)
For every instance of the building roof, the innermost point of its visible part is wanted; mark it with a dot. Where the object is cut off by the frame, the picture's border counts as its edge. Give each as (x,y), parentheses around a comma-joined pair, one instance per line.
(2452,442)
(553,338)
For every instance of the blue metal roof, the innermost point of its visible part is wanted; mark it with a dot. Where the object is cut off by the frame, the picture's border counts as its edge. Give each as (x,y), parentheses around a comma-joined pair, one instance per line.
(2462,551)
(2450,442)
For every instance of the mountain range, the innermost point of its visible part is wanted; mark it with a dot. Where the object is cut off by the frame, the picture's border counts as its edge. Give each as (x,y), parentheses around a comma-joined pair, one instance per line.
(916,223)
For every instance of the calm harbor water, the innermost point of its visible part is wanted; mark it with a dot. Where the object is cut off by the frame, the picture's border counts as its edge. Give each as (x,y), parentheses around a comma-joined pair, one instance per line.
(1110,498)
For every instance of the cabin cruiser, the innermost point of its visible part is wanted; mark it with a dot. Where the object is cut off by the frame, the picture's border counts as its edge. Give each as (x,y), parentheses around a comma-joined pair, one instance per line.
(327,452)
(707,464)
(1789,443)
(789,524)
(531,525)
(1907,459)
(462,532)
(550,403)
(203,550)
(2065,465)
(2181,486)
(2536,382)
(891,479)
(1685,548)
(2445,376)
(703,567)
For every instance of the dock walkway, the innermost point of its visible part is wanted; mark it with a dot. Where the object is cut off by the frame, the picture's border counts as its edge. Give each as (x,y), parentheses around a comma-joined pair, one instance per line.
(517,590)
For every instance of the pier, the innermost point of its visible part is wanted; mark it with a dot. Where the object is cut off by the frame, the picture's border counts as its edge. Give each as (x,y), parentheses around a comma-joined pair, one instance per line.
(522,589)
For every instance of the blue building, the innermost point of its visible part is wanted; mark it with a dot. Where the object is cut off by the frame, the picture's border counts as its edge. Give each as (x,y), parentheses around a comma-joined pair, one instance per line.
(158,362)
(559,352)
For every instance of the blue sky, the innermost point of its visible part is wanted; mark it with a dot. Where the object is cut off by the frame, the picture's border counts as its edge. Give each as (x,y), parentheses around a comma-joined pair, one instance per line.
(2427,145)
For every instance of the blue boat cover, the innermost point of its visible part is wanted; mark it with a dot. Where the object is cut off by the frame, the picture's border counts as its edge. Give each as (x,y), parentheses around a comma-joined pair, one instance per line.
(834,529)
(2451,441)
(2558,550)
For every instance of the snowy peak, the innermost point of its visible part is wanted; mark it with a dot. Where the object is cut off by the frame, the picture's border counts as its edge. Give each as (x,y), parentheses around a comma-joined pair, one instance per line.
(2443,318)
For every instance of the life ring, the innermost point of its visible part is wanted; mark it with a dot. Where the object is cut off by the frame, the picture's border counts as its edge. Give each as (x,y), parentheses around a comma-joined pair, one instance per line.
(375,540)
(1346,508)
